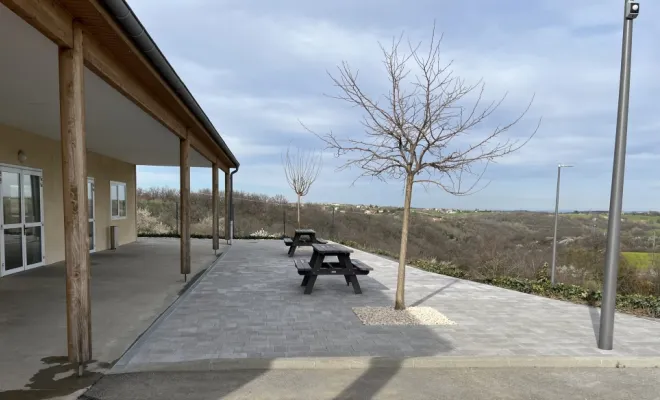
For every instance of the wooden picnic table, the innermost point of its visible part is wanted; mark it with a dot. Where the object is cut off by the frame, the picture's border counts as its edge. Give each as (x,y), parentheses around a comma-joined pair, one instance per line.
(350,269)
(302,237)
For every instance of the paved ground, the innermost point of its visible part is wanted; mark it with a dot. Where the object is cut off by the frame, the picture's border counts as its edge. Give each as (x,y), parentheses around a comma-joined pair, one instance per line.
(250,305)
(130,287)
(385,383)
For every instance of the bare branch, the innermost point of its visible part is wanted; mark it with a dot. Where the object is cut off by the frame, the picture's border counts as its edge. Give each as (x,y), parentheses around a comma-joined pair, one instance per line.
(301,169)
(417,127)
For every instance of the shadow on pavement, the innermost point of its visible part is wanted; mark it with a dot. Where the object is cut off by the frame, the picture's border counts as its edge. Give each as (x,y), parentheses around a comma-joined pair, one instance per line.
(422,300)
(189,385)
(367,385)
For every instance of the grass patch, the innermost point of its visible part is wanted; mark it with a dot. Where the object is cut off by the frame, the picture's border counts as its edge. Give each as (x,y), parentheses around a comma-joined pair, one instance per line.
(639,259)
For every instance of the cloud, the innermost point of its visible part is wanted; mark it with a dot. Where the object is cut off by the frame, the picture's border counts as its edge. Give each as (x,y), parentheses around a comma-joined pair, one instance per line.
(157,177)
(258,67)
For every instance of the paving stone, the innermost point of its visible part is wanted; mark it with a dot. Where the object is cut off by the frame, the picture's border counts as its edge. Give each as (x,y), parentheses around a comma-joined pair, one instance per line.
(250,304)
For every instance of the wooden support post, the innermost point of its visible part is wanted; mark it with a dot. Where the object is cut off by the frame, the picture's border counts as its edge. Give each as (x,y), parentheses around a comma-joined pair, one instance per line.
(184,193)
(227,211)
(74,183)
(216,241)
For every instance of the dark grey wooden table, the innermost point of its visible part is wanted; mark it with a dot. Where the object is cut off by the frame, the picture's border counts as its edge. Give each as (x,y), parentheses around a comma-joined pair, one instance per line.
(344,266)
(302,237)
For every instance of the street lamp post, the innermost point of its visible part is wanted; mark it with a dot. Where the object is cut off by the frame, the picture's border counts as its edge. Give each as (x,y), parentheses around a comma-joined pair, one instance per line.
(608,305)
(554,240)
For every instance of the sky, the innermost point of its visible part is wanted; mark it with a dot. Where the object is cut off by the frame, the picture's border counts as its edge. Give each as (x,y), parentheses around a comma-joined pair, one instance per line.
(259,67)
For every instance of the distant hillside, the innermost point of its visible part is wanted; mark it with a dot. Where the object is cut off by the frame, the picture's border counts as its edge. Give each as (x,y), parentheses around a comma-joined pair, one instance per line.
(459,237)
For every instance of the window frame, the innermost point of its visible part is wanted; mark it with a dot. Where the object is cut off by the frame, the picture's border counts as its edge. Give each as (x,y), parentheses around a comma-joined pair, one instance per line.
(113,185)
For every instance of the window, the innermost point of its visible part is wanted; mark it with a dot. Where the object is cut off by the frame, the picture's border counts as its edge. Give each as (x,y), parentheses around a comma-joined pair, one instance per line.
(118,199)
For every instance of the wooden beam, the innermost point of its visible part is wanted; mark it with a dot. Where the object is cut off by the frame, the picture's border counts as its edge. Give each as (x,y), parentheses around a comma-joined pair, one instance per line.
(74,182)
(214,206)
(47,16)
(227,192)
(201,147)
(184,192)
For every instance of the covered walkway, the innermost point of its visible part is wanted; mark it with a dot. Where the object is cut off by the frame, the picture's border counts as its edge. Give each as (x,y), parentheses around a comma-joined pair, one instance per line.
(130,287)
(85,97)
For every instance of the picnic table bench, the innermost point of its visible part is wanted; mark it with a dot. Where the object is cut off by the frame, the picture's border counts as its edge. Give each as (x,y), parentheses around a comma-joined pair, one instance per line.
(350,269)
(302,237)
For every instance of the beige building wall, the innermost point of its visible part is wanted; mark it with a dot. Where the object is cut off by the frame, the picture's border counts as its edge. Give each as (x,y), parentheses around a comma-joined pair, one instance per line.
(45,154)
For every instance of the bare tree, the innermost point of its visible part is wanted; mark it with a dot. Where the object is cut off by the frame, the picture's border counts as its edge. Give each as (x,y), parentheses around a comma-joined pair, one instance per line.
(418,132)
(301,170)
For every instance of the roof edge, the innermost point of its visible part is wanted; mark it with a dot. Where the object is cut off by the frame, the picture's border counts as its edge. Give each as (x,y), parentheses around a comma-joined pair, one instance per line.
(122,13)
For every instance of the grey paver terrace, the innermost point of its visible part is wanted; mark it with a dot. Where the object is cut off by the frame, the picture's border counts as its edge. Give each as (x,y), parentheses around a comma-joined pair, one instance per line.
(251,305)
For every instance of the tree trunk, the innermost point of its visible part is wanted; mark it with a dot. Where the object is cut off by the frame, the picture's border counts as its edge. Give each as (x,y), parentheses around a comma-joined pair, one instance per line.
(399,302)
(298,211)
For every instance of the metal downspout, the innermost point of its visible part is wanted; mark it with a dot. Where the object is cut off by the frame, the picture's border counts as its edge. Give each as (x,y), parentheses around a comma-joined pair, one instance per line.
(231,206)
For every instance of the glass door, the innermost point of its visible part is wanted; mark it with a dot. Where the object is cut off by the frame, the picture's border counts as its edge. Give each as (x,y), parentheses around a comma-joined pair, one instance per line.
(33,226)
(11,224)
(91,197)
(21,225)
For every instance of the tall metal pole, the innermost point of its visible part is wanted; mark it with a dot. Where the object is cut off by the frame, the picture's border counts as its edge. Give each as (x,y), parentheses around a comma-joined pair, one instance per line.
(608,306)
(554,240)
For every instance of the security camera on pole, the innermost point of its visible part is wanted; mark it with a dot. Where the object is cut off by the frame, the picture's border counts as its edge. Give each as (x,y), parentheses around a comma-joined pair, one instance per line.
(608,305)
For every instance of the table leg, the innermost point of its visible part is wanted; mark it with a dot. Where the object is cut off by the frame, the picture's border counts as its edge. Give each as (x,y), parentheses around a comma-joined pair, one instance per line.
(305,280)
(292,250)
(348,280)
(356,284)
(312,262)
(310,284)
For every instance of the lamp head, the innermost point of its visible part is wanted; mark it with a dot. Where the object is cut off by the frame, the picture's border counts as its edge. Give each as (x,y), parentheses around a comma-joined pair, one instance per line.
(632,9)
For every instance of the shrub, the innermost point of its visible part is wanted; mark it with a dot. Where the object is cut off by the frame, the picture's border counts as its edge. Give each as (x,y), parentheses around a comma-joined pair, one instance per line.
(146,223)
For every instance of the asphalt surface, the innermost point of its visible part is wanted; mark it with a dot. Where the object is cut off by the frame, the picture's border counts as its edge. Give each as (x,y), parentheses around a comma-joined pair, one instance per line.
(385,383)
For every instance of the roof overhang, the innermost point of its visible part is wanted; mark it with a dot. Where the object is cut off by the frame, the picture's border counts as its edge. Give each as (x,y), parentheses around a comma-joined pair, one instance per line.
(127,100)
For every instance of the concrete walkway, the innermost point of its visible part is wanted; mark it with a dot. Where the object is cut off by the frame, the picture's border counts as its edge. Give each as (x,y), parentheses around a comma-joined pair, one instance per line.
(130,287)
(384,383)
(250,305)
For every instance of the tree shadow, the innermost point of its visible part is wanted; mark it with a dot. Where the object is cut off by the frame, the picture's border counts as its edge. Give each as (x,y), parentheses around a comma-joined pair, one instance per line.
(422,300)
(594,313)
(371,381)
(45,385)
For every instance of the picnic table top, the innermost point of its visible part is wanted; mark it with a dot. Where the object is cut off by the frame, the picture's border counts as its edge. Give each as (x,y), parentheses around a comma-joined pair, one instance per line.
(331,249)
(305,231)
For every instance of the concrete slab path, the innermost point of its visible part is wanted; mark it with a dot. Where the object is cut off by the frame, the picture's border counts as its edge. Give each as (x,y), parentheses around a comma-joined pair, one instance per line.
(130,288)
(250,305)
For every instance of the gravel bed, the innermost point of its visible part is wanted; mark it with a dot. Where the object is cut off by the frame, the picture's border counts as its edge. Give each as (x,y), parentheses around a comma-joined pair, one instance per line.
(409,316)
